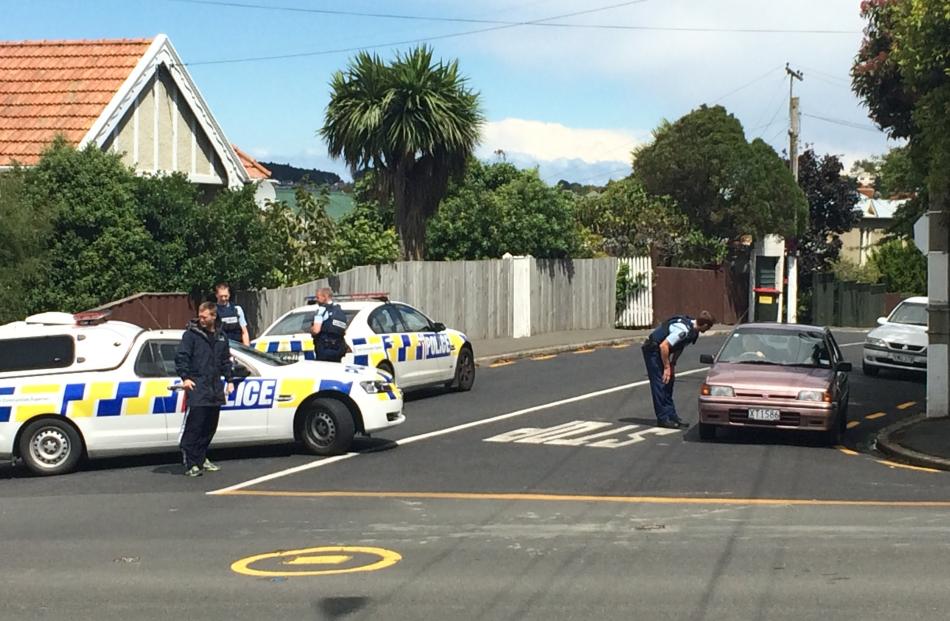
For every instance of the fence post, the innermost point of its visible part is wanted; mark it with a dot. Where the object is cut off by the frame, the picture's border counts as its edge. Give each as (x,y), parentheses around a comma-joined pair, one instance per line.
(520,295)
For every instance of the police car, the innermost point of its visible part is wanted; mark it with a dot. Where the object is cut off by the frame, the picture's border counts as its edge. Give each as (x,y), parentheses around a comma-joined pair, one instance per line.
(393,337)
(80,385)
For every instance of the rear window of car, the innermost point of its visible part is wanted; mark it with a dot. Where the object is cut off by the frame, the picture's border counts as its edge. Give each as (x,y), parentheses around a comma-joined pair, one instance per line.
(300,322)
(38,352)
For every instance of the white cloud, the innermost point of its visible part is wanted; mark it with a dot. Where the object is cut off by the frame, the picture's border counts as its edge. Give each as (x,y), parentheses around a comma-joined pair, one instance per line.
(553,141)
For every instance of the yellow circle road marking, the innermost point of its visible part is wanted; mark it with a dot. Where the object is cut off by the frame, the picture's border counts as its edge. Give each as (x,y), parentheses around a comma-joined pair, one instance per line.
(316,557)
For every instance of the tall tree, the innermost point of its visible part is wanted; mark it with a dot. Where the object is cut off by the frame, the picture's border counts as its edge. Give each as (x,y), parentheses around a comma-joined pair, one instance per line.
(414,121)
(724,185)
(831,207)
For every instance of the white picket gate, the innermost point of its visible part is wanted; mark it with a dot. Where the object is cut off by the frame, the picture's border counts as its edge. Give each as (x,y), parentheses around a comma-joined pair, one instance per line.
(639,310)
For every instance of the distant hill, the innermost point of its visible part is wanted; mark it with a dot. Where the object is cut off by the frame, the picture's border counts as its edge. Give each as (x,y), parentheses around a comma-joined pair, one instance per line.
(285,173)
(340,203)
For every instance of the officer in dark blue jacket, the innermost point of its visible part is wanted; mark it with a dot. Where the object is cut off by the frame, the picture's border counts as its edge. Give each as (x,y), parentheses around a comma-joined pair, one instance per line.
(329,328)
(203,362)
(660,353)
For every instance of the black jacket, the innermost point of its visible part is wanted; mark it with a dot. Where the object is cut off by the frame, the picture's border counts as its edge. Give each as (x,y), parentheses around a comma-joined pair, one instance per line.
(204,359)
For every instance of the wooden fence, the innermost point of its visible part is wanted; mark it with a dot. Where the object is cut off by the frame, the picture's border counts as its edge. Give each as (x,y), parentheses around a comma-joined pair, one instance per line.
(851,304)
(638,312)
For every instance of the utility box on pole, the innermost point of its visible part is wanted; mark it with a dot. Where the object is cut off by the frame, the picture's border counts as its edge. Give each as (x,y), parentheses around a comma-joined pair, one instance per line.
(765,294)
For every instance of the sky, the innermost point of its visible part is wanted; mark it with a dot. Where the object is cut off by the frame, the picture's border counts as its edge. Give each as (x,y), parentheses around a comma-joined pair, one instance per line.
(572,96)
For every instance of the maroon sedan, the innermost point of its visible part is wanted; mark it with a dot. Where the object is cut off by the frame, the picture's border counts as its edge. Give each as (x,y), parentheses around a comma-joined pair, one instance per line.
(776,376)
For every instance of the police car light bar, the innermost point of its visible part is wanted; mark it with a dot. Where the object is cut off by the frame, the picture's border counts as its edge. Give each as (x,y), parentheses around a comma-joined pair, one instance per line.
(382,296)
(91,318)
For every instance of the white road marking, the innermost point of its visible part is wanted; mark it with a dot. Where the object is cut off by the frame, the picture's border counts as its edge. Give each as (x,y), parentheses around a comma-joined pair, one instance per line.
(559,434)
(447,430)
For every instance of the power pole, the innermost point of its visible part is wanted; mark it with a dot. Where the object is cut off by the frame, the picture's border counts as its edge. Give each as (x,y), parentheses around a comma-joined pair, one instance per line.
(792,257)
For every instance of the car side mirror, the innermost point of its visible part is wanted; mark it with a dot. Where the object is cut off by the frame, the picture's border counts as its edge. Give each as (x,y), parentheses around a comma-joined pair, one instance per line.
(438,326)
(881,321)
(705,359)
(844,367)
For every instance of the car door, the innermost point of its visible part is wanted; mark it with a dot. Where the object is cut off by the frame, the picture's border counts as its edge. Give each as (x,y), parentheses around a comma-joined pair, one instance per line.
(158,401)
(243,416)
(386,322)
(432,350)
(842,386)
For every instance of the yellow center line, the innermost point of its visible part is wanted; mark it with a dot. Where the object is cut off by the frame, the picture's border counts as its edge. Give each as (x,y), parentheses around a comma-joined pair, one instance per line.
(584,351)
(853,424)
(545,357)
(501,363)
(620,345)
(904,406)
(875,415)
(649,500)
(846,450)
(894,464)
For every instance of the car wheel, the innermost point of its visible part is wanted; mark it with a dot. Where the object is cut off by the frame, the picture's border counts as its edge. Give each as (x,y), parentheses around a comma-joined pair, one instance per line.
(869,369)
(327,427)
(50,446)
(464,370)
(834,435)
(707,431)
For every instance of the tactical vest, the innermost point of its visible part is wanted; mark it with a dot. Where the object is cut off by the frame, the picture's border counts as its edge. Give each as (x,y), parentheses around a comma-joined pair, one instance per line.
(330,344)
(663,330)
(230,321)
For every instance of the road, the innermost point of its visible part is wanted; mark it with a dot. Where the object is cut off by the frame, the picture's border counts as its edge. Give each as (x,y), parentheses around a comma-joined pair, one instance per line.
(480,507)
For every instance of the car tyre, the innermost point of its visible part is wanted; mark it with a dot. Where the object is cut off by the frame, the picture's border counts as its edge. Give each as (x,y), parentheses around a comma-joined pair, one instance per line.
(464,370)
(50,446)
(327,428)
(869,369)
(707,431)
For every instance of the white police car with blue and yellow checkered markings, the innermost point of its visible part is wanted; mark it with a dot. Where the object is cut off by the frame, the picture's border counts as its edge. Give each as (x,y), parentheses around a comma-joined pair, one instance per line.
(390,336)
(102,388)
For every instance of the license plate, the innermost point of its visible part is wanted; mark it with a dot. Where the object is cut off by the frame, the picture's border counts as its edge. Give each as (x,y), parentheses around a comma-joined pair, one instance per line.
(764,414)
(903,358)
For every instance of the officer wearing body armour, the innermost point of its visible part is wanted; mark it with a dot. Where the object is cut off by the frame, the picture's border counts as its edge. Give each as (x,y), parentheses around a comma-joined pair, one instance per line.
(230,316)
(329,327)
(660,353)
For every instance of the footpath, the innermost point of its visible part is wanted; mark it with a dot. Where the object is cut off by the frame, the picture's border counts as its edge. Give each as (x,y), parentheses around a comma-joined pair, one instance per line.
(917,440)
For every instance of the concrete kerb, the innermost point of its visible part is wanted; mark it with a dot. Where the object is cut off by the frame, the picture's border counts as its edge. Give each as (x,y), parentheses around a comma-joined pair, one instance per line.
(560,349)
(886,444)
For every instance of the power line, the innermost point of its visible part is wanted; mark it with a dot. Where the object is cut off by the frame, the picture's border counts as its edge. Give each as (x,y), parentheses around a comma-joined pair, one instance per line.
(537,23)
(843,123)
(748,84)
(504,26)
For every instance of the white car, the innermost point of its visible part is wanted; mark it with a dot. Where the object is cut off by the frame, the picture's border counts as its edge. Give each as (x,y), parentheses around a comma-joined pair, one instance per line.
(900,341)
(390,336)
(94,388)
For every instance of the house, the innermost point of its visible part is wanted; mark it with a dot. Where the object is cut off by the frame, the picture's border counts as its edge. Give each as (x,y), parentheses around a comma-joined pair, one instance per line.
(131,96)
(877,215)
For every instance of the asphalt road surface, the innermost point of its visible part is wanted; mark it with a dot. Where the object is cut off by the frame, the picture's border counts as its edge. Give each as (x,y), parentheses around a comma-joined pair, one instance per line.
(544,493)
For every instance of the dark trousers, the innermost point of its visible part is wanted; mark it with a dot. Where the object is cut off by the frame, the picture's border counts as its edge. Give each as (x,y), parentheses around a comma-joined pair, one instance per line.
(198,429)
(662,393)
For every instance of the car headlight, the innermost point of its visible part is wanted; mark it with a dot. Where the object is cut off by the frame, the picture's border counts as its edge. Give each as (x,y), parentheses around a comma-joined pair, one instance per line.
(374,386)
(875,342)
(814,395)
(717,391)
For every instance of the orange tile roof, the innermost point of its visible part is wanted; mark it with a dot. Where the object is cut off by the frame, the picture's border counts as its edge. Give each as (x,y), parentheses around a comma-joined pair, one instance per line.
(57,87)
(252,166)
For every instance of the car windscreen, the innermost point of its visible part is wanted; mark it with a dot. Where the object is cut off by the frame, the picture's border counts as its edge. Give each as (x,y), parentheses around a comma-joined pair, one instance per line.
(271,359)
(913,314)
(299,322)
(777,347)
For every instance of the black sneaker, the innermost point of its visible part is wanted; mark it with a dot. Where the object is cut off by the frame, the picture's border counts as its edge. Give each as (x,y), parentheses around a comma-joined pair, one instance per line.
(667,423)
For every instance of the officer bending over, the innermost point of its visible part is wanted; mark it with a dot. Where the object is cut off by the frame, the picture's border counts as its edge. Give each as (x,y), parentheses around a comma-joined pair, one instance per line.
(660,353)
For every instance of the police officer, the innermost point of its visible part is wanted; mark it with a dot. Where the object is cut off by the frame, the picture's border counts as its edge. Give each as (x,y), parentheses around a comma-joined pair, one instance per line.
(329,327)
(231,316)
(660,353)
